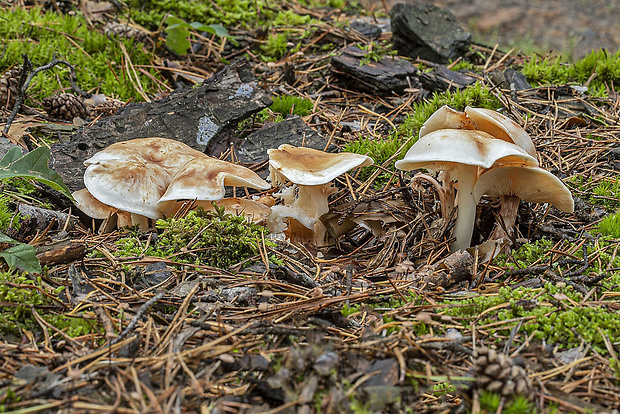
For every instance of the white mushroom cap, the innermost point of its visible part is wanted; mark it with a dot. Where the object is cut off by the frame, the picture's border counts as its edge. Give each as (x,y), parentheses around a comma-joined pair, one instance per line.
(502,127)
(205,178)
(166,153)
(527,183)
(446,118)
(307,166)
(445,148)
(130,186)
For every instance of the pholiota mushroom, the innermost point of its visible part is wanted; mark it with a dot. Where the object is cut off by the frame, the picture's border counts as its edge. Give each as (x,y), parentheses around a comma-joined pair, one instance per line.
(205,179)
(311,173)
(163,152)
(94,208)
(462,153)
(513,183)
(131,186)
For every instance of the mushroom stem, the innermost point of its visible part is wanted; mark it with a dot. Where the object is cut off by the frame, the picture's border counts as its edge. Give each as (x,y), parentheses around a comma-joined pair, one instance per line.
(508,214)
(466,215)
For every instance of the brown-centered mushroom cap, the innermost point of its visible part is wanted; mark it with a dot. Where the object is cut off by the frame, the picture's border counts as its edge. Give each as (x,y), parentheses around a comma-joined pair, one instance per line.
(502,127)
(531,184)
(130,186)
(446,118)
(205,178)
(166,153)
(307,166)
(94,208)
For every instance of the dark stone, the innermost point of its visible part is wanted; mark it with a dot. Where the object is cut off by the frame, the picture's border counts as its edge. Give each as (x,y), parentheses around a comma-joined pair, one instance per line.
(516,78)
(293,130)
(194,116)
(428,32)
(388,75)
(368,30)
(440,78)
(156,273)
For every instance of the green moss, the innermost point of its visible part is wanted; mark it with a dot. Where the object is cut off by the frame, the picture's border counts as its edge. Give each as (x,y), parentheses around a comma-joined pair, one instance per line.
(97,58)
(555,71)
(275,47)
(15,290)
(604,192)
(610,226)
(289,104)
(7,217)
(217,239)
(490,401)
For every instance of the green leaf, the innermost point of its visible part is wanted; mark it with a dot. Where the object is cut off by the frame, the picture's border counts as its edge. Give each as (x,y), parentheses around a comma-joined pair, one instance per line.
(33,166)
(21,255)
(177,34)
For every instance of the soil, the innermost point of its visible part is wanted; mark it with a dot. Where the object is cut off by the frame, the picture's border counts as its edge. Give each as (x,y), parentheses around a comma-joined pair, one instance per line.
(572,27)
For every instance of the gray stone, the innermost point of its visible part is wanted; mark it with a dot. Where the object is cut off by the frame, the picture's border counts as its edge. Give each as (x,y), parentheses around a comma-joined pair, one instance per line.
(428,32)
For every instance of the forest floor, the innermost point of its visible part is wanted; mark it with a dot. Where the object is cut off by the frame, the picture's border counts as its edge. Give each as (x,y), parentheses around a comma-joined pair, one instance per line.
(386,319)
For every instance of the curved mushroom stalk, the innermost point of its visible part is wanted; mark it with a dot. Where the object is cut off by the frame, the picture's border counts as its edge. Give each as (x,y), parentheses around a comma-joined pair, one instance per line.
(508,215)
(445,191)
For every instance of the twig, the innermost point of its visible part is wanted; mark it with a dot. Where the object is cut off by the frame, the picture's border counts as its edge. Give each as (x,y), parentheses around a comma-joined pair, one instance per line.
(24,82)
(143,309)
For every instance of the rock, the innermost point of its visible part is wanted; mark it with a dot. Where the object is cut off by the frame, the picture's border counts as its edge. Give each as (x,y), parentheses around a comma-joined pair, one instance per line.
(440,78)
(428,32)
(194,116)
(293,130)
(388,75)
(366,29)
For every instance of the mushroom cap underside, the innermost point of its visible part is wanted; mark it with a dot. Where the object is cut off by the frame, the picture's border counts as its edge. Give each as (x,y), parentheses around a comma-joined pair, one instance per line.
(130,186)
(307,166)
(527,183)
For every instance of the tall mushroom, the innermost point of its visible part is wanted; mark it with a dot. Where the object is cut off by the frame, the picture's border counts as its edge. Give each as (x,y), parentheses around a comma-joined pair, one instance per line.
(205,179)
(311,172)
(513,183)
(462,152)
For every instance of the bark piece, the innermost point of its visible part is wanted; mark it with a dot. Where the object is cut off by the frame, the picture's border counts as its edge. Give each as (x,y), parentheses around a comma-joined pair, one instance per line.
(428,32)
(194,116)
(62,252)
(386,76)
(440,78)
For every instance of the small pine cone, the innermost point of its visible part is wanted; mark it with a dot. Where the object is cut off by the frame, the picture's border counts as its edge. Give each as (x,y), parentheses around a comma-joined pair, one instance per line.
(497,373)
(106,108)
(124,30)
(9,87)
(65,106)
(61,6)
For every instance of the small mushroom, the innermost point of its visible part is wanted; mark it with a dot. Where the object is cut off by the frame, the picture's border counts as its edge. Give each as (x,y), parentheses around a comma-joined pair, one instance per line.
(204,179)
(446,118)
(94,208)
(513,183)
(462,152)
(130,186)
(167,153)
(501,127)
(311,172)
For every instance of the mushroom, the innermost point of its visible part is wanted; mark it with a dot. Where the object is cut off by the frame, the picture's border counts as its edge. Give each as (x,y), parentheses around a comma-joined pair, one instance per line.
(501,127)
(514,183)
(446,118)
(311,172)
(166,153)
(94,208)
(204,179)
(130,186)
(462,152)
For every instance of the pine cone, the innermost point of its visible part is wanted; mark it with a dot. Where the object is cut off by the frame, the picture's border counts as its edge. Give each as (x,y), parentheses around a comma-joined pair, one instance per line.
(124,30)
(107,108)
(498,373)
(9,87)
(65,106)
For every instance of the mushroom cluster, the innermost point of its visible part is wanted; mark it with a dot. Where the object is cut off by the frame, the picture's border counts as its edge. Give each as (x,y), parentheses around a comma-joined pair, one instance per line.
(485,153)
(130,182)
